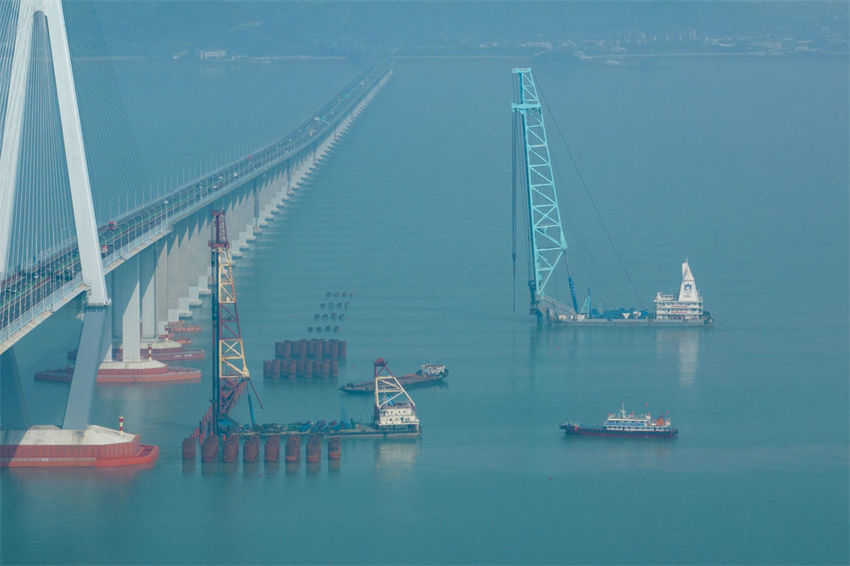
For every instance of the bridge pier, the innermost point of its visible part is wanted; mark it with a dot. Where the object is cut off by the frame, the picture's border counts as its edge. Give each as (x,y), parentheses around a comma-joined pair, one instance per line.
(197,256)
(147,280)
(13,407)
(176,271)
(95,342)
(248,214)
(133,315)
(125,305)
(161,286)
(276,194)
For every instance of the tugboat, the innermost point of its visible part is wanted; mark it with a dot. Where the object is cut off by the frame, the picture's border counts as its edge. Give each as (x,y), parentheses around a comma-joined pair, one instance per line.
(622,424)
(428,374)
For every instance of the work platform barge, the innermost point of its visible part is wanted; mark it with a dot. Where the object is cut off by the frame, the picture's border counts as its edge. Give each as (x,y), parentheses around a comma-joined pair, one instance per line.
(532,171)
(48,446)
(394,417)
(394,410)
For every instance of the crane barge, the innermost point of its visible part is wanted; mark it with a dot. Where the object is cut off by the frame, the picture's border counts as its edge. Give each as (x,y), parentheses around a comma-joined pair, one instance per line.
(532,169)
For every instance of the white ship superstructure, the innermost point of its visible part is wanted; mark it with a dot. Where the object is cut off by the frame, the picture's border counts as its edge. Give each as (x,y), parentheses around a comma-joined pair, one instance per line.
(432,370)
(629,422)
(689,304)
(394,408)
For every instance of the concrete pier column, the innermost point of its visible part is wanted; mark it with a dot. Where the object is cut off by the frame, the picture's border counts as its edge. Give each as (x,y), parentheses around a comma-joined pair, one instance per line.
(108,325)
(147,280)
(177,305)
(13,407)
(203,255)
(193,245)
(126,302)
(115,308)
(257,194)
(93,340)
(161,284)
(288,175)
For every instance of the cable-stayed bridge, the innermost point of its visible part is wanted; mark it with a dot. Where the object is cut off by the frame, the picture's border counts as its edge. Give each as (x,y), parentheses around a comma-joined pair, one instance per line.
(132,269)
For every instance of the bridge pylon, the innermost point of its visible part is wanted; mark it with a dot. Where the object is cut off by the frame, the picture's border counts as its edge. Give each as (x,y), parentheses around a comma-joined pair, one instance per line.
(94,338)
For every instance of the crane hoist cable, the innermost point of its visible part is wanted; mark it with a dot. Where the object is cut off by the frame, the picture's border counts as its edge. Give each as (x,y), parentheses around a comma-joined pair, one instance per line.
(590,197)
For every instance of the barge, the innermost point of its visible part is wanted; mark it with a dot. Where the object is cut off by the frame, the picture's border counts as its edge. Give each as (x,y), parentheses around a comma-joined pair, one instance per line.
(144,371)
(47,446)
(320,428)
(686,309)
(428,374)
(394,416)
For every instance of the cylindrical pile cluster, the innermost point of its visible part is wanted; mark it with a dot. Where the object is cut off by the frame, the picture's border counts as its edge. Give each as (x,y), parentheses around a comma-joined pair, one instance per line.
(209,449)
(273,449)
(189,448)
(293,448)
(334,450)
(231,449)
(305,358)
(314,449)
(251,449)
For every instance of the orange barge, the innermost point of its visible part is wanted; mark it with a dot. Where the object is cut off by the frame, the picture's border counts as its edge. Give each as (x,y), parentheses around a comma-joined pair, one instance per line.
(132,372)
(47,446)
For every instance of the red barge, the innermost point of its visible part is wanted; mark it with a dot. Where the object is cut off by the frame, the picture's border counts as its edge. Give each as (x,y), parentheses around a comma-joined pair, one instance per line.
(145,371)
(47,446)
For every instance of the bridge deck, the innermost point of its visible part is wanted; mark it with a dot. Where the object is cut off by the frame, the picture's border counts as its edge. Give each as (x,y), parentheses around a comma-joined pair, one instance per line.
(30,296)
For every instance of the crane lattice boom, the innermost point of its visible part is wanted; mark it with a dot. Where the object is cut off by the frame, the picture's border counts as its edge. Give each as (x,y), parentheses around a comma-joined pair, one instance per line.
(548,245)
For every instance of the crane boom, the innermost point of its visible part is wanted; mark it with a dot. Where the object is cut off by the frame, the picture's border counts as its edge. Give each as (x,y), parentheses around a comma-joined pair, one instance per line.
(548,245)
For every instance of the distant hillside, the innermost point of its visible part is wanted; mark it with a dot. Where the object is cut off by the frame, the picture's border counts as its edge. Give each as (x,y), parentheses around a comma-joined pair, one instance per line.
(147,28)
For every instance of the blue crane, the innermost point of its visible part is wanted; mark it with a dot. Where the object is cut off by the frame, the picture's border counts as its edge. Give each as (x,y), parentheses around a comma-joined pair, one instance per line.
(548,245)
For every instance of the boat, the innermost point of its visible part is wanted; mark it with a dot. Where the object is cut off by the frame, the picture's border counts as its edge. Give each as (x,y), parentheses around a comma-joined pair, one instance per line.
(394,416)
(686,309)
(143,371)
(625,424)
(395,411)
(428,374)
(47,446)
(547,245)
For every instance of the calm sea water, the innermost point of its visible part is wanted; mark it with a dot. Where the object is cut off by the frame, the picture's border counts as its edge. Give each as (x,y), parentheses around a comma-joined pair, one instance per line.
(738,164)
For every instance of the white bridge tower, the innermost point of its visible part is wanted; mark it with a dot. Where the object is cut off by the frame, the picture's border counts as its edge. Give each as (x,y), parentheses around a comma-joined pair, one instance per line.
(94,340)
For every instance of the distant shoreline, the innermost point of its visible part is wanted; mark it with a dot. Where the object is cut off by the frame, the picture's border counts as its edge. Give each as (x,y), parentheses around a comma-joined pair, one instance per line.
(505,56)
(586,58)
(712,54)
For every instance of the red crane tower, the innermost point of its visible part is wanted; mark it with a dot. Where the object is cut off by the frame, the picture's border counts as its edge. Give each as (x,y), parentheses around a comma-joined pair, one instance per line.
(230,372)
